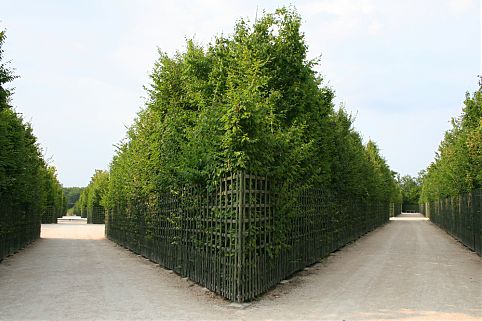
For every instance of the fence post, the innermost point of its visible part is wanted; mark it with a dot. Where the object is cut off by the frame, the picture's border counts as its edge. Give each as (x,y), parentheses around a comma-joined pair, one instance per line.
(240,231)
(477,219)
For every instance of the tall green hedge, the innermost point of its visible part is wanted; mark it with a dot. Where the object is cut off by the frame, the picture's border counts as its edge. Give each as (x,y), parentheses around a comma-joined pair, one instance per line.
(247,102)
(29,189)
(90,203)
(457,168)
(451,184)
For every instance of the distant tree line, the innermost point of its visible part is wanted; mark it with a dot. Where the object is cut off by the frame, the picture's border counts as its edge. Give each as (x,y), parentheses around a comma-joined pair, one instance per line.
(29,189)
(410,187)
(72,195)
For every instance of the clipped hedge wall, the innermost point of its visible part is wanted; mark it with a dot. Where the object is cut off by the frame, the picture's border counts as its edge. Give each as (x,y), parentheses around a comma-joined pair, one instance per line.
(251,102)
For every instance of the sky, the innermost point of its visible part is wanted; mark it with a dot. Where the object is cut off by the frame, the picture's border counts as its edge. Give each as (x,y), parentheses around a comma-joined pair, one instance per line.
(402,67)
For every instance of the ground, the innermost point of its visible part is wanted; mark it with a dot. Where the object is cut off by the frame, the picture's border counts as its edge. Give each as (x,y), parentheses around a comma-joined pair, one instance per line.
(406,270)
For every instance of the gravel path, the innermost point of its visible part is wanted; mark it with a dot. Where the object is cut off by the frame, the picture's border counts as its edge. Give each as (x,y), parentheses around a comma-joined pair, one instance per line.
(405,270)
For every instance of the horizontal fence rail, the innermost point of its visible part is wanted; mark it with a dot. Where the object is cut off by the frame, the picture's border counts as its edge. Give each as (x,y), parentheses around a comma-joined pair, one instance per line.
(18,227)
(240,239)
(460,216)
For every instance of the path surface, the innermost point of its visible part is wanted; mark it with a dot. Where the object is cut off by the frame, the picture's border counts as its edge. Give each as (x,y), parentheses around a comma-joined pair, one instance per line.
(406,270)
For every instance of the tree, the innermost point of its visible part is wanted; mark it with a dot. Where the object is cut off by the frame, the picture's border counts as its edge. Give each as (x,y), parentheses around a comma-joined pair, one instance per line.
(251,102)
(385,187)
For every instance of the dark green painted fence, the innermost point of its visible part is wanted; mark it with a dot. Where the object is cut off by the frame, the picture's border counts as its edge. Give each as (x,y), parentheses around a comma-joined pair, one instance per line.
(50,215)
(96,215)
(460,216)
(18,227)
(395,209)
(229,239)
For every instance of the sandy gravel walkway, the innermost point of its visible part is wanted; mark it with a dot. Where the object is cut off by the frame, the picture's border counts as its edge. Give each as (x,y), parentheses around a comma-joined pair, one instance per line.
(406,270)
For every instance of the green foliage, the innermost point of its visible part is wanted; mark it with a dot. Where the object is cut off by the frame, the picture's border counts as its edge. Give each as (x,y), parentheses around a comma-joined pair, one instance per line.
(457,168)
(29,189)
(6,76)
(251,102)
(92,197)
(248,103)
(52,196)
(359,172)
(411,188)
(383,183)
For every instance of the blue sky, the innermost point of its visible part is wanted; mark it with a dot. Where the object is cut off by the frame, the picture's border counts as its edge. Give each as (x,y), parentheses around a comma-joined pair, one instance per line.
(402,67)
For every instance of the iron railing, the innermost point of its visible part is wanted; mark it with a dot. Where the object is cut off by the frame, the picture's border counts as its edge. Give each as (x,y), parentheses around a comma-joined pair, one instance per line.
(18,227)
(243,237)
(96,215)
(460,216)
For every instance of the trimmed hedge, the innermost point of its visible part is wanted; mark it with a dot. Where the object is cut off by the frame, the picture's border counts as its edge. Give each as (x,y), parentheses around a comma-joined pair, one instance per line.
(250,102)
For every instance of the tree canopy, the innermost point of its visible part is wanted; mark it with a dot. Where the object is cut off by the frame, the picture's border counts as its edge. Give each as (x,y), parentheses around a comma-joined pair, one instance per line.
(247,101)
(457,167)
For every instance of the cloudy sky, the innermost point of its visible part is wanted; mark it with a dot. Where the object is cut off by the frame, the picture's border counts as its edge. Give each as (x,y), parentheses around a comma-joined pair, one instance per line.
(401,66)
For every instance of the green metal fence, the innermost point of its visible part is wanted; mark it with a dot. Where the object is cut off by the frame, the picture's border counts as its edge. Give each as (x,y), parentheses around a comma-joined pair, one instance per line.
(241,239)
(18,227)
(50,215)
(460,216)
(395,209)
(96,215)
